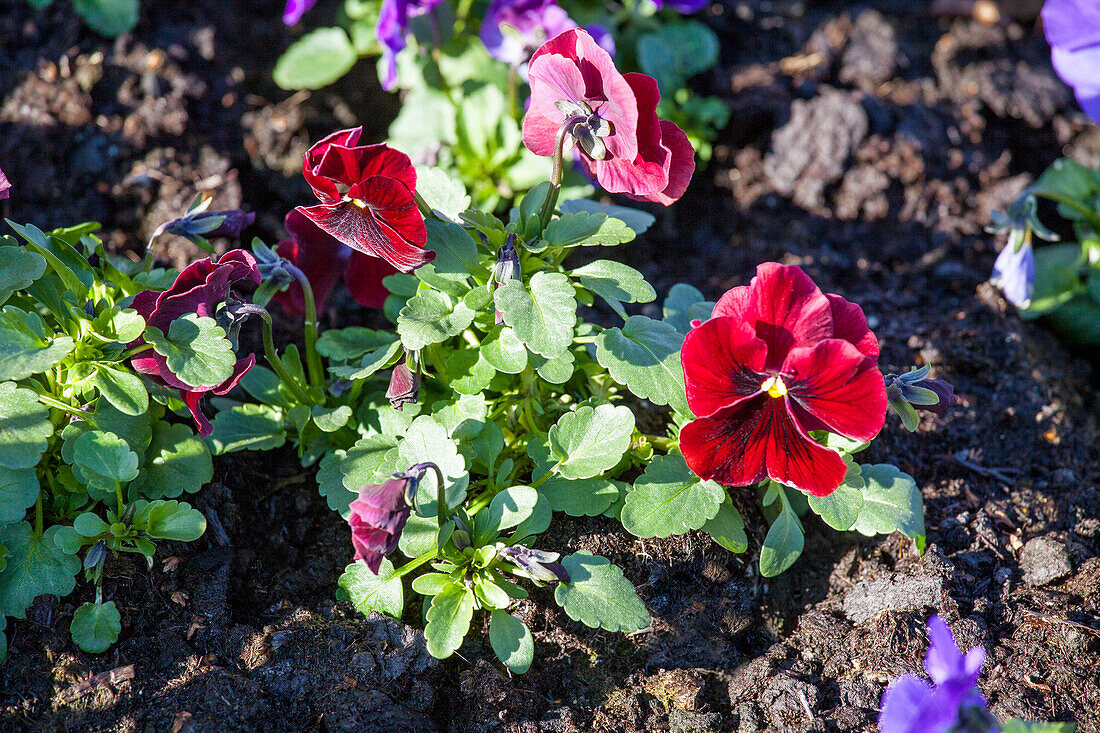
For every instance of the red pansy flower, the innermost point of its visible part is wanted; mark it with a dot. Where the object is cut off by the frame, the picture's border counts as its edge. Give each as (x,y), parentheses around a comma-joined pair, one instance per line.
(367,202)
(199,289)
(323,260)
(378,516)
(613,120)
(778,359)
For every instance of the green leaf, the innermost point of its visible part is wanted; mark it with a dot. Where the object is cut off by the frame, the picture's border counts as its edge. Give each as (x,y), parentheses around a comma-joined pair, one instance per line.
(371,362)
(136,430)
(174,520)
(345,344)
(90,524)
(891,502)
(18,490)
(25,349)
(841,509)
(635,219)
(122,389)
(369,593)
(370,461)
(103,459)
(1020,726)
(677,306)
(783,544)
(330,483)
(557,370)
(119,325)
(108,17)
(35,567)
(448,620)
(19,268)
(315,60)
(330,419)
(247,427)
(196,350)
(68,264)
(429,317)
(583,229)
(1065,177)
(428,440)
(1056,277)
(580,497)
(176,461)
(669,499)
(599,596)
(420,536)
(455,251)
(95,627)
(511,641)
(727,528)
(676,52)
(468,372)
(446,195)
(542,317)
(429,584)
(426,119)
(504,351)
(615,282)
(645,356)
(507,509)
(591,440)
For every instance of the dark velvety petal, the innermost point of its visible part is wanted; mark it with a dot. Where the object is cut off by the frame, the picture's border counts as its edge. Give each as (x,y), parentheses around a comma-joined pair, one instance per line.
(361,230)
(795,459)
(243,266)
(382,160)
(320,257)
(239,370)
(850,324)
(839,386)
(145,302)
(944,390)
(681,165)
(364,279)
(784,306)
(324,188)
(5,186)
(191,399)
(729,446)
(722,361)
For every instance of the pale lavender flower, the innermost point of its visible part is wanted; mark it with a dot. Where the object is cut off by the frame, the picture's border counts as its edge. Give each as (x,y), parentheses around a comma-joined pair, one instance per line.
(393,25)
(1073,30)
(295,9)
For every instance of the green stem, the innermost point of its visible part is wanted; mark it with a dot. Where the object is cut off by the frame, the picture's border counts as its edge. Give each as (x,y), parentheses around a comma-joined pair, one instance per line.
(118,495)
(278,367)
(313,359)
(59,405)
(665,444)
(135,351)
(551,202)
(1077,206)
(150,249)
(38,521)
(425,208)
(413,565)
(437,362)
(545,477)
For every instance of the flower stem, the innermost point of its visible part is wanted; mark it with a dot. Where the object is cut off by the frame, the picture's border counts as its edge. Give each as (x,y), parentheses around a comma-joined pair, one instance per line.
(313,359)
(425,208)
(413,565)
(277,364)
(59,405)
(38,516)
(665,444)
(135,351)
(551,202)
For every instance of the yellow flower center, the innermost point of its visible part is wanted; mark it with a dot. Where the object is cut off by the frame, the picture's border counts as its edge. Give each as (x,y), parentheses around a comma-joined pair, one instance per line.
(774,387)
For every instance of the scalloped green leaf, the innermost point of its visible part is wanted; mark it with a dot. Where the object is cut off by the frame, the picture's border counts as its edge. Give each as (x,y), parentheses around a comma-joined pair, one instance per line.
(25,427)
(669,499)
(18,490)
(196,350)
(590,440)
(247,427)
(727,528)
(511,641)
(25,347)
(35,567)
(102,459)
(599,595)
(891,502)
(645,356)
(176,461)
(448,620)
(428,440)
(430,317)
(580,497)
(19,268)
(504,351)
(315,60)
(95,627)
(542,317)
(369,593)
(122,389)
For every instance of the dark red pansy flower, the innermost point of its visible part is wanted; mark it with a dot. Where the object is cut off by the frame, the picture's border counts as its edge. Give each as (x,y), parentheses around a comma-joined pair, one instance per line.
(778,359)
(367,202)
(199,289)
(612,117)
(378,516)
(324,260)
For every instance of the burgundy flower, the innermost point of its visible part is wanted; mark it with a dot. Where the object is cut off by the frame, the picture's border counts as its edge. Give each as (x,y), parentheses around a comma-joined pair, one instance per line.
(378,516)
(367,203)
(199,289)
(404,385)
(323,260)
(5,186)
(778,359)
(611,116)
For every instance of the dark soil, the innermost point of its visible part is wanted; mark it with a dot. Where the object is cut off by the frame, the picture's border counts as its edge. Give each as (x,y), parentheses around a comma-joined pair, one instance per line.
(868,144)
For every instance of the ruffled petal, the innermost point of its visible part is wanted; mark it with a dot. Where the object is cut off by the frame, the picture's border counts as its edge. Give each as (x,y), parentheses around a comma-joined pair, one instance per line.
(723,363)
(324,188)
(320,257)
(364,279)
(796,459)
(646,173)
(191,399)
(729,446)
(784,306)
(839,386)
(850,324)
(681,164)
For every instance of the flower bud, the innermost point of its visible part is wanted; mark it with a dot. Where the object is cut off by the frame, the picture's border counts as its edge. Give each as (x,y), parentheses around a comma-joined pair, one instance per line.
(404,384)
(507,267)
(378,517)
(907,392)
(538,565)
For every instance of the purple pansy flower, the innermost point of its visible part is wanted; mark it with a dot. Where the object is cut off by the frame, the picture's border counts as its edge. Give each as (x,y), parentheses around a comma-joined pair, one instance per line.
(295,9)
(1073,30)
(514,29)
(687,7)
(1014,273)
(911,705)
(393,24)
(5,186)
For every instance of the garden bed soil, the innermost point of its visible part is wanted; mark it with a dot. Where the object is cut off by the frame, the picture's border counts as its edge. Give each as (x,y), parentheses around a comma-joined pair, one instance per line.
(868,143)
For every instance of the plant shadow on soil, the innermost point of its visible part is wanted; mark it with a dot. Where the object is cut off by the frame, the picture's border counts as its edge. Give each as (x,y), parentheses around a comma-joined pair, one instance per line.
(867,144)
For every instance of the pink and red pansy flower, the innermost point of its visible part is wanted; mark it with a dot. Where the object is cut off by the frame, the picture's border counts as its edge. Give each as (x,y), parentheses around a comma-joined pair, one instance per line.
(611,116)
(778,359)
(200,289)
(378,516)
(367,199)
(324,260)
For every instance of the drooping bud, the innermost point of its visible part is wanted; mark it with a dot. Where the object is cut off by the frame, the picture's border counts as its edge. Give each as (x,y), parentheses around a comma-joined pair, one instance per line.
(404,383)
(507,267)
(378,517)
(538,565)
(198,224)
(232,316)
(1014,270)
(912,390)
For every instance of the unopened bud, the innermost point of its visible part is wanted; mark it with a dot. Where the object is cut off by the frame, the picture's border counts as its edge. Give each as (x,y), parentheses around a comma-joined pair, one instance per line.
(404,384)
